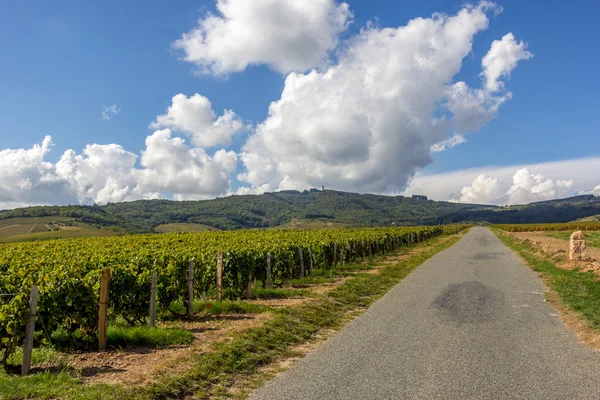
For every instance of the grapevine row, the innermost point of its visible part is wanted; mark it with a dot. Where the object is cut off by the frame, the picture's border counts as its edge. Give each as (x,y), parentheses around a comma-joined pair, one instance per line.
(569,226)
(68,272)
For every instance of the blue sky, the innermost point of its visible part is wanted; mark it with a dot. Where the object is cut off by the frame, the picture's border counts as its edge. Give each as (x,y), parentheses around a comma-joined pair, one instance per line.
(64,60)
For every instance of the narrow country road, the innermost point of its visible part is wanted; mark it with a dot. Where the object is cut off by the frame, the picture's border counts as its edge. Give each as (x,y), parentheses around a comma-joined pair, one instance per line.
(470,323)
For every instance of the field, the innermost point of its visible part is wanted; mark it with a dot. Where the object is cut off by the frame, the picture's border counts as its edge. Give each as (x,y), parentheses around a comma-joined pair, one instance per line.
(314,224)
(553,240)
(170,228)
(592,238)
(593,218)
(569,226)
(14,230)
(68,311)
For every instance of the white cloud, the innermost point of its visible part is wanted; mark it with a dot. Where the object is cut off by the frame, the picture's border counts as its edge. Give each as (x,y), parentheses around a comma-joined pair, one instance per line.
(109,112)
(28,179)
(455,140)
(109,173)
(101,174)
(483,190)
(595,191)
(502,59)
(527,187)
(194,117)
(170,165)
(368,123)
(511,184)
(286,35)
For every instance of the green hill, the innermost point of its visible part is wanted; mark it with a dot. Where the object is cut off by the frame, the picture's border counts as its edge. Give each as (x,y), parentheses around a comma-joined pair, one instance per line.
(304,209)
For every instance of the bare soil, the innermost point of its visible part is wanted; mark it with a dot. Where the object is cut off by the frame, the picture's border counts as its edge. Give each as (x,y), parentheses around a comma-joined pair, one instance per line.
(138,366)
(558,249)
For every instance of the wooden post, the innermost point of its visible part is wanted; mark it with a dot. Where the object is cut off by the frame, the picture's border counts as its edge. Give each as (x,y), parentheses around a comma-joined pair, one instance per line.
(310,261)
(335,255)
(255,288)
(301,263)
(269,280)
(324,258)
(249,287)
(286,279)
(342,256)
(152,301)
(190,309)
(363,252)
(220,277)
(204,296)
(348,254)
(28,347)
(103,320)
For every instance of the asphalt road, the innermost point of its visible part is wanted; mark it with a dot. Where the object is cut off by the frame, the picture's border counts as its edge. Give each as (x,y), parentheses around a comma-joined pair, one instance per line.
(470,323)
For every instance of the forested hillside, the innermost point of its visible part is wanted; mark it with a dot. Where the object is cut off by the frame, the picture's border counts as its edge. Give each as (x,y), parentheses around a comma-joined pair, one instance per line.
(280,208)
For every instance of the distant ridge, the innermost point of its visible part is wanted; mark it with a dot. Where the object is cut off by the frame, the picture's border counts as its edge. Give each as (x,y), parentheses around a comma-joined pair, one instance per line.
(281,208)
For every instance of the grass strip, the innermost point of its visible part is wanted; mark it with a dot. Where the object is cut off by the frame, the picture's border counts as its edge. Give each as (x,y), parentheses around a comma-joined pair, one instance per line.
(250,350)
(124,336)
(578,291)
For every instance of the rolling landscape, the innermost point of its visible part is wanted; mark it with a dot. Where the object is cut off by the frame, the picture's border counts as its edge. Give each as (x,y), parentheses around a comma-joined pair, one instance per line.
(285,209)
(315,199)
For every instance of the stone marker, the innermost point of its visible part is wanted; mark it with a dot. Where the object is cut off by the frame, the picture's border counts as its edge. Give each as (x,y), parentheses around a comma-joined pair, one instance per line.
(577,246)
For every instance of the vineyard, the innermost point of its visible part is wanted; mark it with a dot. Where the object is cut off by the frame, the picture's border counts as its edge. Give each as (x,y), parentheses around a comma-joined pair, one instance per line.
(569,226)
(68,272)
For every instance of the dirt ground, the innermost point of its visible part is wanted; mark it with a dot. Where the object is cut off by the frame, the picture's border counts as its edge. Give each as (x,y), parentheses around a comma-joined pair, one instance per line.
(137,366)
(559,250)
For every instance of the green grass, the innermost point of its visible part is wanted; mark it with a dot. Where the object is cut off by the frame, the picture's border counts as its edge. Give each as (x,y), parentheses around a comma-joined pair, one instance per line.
(593,238)
(47,386)
(241,357)
(231,307)
(281,293)
(313,279)
(144,336)
(218,308)
(39,355)
(578,291)
(34,229)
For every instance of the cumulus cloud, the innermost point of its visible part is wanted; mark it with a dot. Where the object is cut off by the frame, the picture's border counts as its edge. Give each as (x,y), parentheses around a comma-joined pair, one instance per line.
(109,112)
(195,117)
(369,122)
(286,35)
(28,179)
(168,166)
(527,187)
(511,184)
(502,59)
(595,191)
(483,190)
(100,174)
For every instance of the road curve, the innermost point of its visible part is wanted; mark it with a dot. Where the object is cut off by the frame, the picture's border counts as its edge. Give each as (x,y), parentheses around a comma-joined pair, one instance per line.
(470,323)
